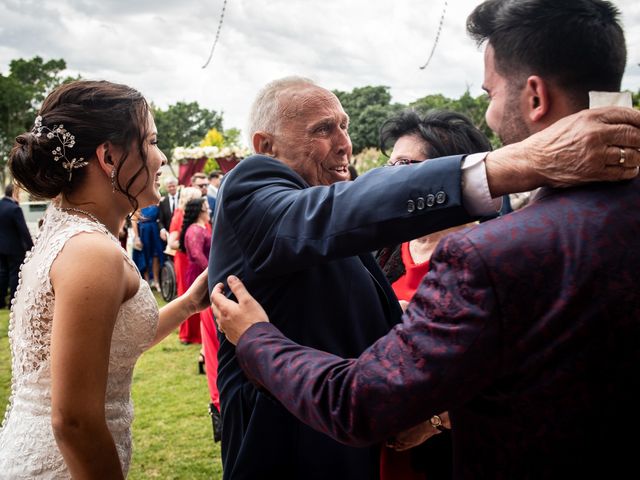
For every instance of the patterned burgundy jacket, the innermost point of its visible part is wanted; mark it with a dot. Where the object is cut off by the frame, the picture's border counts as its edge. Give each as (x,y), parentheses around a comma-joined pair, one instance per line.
(526,329)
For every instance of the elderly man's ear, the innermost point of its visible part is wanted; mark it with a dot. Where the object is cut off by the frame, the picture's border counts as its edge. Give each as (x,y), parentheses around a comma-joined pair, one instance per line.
(263,144)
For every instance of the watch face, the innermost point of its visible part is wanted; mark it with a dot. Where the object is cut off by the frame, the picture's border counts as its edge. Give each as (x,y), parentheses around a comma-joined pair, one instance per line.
(436,422)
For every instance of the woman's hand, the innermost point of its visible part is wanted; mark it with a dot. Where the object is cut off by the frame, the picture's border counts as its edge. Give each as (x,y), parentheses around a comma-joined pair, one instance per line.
(198,293)
(235,318)
(174,240)
(195,299)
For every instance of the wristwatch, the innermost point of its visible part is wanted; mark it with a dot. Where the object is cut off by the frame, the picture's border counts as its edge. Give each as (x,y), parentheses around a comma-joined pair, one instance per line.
(436,422)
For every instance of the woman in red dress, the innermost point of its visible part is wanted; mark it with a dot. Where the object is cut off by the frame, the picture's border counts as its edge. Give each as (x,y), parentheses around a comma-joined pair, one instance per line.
(416,138)
(190,328)
(195,241)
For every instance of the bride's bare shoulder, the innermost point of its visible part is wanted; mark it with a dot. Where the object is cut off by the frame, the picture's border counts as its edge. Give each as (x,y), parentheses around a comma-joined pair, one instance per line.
(88,257)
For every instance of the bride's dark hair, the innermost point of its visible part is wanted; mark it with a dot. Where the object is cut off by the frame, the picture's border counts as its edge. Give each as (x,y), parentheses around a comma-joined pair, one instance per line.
(94,112)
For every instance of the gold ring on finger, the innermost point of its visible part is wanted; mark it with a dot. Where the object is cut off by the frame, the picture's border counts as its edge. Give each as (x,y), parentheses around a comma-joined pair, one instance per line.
(623,157)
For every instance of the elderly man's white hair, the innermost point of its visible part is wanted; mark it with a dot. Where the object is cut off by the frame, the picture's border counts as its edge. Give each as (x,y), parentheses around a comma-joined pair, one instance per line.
(170,180)
(266,109)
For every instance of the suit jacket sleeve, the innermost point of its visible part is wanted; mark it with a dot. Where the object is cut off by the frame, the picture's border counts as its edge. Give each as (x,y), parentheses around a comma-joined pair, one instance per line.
(446,350)
(283,225)
(164,217)
(22,229)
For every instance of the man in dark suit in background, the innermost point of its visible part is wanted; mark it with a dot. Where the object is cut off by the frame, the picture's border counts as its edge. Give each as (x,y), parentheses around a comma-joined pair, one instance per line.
(527,328)
(15,241)
(289,224)
(167,206)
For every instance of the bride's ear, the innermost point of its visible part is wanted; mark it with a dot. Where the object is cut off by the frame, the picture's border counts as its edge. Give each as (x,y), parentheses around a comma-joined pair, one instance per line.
(104,155)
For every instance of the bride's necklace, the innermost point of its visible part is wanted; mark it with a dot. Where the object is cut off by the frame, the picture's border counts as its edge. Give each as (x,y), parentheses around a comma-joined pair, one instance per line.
(84,212)
(93,218)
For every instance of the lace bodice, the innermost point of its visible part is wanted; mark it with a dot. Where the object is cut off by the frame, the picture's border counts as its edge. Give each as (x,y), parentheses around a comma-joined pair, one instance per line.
(27,446)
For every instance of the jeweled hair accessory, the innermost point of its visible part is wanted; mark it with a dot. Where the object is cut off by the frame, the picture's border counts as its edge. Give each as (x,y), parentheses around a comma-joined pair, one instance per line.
(66,141)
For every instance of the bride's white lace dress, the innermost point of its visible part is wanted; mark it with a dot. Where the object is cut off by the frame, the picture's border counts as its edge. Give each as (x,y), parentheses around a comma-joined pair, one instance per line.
(27,446)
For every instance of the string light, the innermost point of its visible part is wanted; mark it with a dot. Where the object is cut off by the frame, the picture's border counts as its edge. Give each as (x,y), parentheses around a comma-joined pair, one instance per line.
(215,42)
(435,43)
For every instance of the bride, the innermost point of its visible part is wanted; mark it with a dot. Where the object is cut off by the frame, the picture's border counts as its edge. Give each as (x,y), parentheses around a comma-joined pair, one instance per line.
(82,315)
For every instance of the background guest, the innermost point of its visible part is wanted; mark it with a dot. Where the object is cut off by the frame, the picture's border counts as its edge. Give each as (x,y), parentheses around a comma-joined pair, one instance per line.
(168,204)
(195,241)
(148,247)
(416,138)
(215,178)
(15,241)
(190,328)
(199,180)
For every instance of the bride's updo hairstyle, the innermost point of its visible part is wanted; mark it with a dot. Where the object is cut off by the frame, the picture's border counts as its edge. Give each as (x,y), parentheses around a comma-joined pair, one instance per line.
(89,113)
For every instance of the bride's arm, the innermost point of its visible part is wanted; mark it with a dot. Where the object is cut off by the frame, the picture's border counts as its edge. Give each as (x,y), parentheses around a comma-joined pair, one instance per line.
(87,298)
(196,298)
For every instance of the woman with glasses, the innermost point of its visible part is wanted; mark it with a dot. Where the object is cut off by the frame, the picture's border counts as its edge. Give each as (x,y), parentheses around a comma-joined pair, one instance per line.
(416,138)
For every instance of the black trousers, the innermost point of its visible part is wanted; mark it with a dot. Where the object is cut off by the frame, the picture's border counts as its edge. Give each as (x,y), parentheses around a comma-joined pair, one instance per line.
(9,268)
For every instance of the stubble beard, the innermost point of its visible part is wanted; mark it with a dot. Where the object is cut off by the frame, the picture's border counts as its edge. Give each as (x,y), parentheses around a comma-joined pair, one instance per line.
(513,128)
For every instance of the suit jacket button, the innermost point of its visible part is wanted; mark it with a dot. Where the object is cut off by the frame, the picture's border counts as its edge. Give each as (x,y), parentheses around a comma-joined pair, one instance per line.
(441,197)
(411,206)
(431,200)
(420,203)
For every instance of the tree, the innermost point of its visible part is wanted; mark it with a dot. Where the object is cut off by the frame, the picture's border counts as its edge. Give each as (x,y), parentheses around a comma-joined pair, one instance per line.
(213,138)
(368,107)
(184,125)
(232,137)
(22,91)
(472,107)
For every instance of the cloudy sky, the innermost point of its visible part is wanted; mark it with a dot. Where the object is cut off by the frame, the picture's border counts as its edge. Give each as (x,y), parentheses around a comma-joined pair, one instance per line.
(160,46)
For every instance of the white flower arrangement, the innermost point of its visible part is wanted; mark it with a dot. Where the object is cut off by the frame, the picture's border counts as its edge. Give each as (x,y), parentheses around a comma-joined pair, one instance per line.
(182,154)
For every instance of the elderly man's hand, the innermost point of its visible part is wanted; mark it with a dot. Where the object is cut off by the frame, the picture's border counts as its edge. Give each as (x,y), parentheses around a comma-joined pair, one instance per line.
(592,145)
(235,318)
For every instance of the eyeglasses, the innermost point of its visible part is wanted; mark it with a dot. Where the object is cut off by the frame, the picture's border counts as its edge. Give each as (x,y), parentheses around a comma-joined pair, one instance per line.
(401,161)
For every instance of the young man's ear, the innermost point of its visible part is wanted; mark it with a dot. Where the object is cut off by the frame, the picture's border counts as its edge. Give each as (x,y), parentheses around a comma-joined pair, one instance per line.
(263,144)
(538,98)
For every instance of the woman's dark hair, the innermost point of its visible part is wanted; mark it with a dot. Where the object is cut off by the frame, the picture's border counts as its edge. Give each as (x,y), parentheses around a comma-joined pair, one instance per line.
(192,211)
(444,133)
(94,112)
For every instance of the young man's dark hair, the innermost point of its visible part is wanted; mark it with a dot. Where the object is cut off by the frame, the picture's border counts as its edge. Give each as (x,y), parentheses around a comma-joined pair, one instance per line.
(578,44)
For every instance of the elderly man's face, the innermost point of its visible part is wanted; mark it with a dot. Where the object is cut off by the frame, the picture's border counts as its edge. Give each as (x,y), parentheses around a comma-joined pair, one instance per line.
(312,137)
(172,188)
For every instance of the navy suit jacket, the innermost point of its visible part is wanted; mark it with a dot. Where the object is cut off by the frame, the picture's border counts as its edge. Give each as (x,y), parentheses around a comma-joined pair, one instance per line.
(165,214)
(15,238)
(526,328)
(303,252)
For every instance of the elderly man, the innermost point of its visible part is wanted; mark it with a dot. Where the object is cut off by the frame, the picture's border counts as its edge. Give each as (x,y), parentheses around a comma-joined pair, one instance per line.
(168,204)
(526,328)
(300,236)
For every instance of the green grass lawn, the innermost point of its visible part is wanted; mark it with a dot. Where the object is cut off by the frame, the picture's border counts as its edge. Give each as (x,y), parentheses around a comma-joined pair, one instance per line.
(172,434)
